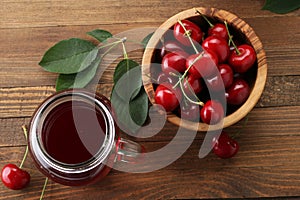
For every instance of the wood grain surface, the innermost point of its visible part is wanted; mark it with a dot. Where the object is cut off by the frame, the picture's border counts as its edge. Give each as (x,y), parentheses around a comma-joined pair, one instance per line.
(268,163)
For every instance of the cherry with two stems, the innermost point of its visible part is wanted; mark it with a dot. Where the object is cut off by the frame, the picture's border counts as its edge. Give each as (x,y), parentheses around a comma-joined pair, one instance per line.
(14,177)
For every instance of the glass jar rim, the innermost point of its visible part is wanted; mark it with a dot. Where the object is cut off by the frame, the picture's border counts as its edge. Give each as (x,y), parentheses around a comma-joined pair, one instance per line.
(52,102)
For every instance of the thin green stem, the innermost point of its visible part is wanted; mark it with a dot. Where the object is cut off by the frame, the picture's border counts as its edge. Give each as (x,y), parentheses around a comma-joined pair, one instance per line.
(26,150)
(124,50)
(187,33)
(188,98)
(230,39)
(108,50)
(205,18)
(191,90)
(110,44)
(44,188)
(187,70)
(128,40)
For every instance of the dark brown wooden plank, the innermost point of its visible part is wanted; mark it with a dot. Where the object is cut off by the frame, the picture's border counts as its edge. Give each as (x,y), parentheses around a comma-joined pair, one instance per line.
(19,60)
(262,168)
(22,101)
(44,13)
(262,123)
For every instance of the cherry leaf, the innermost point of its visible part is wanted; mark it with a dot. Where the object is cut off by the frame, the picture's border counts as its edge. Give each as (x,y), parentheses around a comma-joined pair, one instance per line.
(281,6)
(69,56)
(77,80)
(100,35)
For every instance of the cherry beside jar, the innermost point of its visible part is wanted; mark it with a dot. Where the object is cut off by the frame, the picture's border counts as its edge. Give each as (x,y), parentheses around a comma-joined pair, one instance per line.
(74,140)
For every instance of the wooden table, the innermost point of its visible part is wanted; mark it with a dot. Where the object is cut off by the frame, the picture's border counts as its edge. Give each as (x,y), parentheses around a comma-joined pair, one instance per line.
(268,163)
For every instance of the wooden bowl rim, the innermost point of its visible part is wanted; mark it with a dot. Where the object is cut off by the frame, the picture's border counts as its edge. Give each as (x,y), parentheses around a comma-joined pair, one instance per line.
(232,20)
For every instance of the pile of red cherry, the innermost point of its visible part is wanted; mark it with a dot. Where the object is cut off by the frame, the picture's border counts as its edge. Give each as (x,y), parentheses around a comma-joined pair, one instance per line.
(220,67)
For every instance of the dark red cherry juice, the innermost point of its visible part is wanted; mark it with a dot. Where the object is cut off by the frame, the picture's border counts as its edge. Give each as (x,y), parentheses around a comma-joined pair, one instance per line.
(73,132)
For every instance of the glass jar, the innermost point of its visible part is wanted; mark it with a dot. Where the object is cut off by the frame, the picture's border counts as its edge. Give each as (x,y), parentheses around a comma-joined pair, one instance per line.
(74,140)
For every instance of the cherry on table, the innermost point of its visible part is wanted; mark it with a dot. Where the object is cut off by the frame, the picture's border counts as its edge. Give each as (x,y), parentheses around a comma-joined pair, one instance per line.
(218,45)
(238,92)
(192,29)
(225,146)
(14,178)
(205,66)
(212,112)
(167,96)
(242,59)
(174,62)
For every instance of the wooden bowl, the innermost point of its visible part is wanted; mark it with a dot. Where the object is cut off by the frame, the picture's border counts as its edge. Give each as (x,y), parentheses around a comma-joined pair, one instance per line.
(241,30)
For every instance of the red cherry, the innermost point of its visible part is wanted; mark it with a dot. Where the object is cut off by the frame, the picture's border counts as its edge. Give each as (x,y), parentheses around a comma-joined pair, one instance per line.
(14,178)
(204,67)
(238,92)
(218,45)
(174,62)
(242,62)
(212,112)
(226,74)
(192,85)
(192,28)
(190,111)
(170,46)
(225,146)
(164,78)
(218,30)
(168,97)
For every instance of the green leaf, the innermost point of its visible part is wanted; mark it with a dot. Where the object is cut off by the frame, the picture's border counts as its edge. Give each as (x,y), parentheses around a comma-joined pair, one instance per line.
(281,6)
(138,108)
(121,109)
(69,56)
(131,115)
(146,39)
(100,35)
(127,79)
(78,80)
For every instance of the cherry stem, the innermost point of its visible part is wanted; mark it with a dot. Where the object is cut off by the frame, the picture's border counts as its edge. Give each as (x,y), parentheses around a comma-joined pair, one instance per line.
(26,150)
(187,70)
(193,93)
(187,33)
(124,49)
(44,188)
(188,98)
(110,44)
(230,39)
(205,18)
(126,39)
